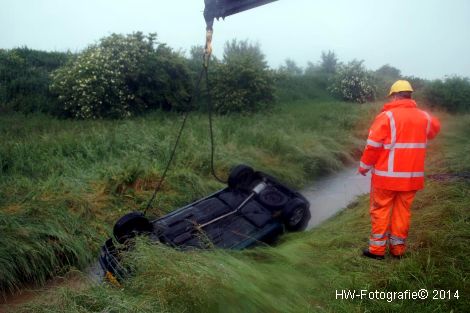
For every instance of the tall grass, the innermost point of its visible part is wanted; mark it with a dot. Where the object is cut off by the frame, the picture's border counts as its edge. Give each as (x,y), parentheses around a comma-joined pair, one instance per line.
(304,271)
(64,183)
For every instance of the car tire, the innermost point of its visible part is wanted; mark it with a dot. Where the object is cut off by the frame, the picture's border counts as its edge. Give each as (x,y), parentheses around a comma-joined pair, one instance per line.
(131,225)
(272,198)
(296,215)
(240,176)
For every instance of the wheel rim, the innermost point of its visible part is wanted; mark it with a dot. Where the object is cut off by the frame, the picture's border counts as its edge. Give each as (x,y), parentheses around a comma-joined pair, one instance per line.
(273,198)
(297,216)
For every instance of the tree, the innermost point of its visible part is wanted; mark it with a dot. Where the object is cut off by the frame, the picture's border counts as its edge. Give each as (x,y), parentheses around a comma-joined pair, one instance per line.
(388,72)
(242,80)
(312,69)
(290,68)
(329,62)
(384,77)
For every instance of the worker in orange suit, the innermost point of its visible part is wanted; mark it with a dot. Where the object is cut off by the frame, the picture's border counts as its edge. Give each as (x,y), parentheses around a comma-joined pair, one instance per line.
(395,153)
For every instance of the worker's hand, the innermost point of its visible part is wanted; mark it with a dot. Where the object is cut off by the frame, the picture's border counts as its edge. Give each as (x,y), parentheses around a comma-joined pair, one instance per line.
(362,171)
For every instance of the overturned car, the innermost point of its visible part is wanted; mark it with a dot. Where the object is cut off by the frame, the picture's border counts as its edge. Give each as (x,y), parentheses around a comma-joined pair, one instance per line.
(254,208)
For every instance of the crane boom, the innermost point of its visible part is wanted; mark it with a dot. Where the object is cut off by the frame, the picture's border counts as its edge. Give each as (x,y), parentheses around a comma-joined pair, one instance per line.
(222,8)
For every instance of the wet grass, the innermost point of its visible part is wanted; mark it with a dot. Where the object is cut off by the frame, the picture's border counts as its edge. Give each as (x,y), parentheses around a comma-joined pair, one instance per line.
(304,271)
(64,183)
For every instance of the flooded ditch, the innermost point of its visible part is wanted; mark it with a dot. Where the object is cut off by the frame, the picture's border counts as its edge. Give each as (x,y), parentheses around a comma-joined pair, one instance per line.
(331,194)
(327,196)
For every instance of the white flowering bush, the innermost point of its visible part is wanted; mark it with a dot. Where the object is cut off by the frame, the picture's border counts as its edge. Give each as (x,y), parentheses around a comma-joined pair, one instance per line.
(122,75)
(352,82)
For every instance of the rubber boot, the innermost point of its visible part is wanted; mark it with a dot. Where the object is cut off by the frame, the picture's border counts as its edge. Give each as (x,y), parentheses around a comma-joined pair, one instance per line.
(368,254)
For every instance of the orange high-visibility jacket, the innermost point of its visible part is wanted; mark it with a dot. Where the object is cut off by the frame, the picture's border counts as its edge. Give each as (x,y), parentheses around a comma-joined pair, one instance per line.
(396,146)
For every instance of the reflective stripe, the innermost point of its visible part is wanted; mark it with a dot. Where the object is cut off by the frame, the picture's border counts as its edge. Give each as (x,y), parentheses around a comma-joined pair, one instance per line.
(393,128)
(399,174)
(363,165)
(393,134)
(374,143)
(410,145)
(404,145)
(377,243)
(396,240)
(401,145)
(378,236)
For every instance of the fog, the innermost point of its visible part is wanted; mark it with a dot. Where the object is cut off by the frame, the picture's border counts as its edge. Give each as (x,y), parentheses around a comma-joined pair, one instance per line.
(428,39)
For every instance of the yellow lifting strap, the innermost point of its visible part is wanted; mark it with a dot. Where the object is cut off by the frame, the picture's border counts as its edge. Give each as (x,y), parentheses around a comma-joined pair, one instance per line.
(112,280)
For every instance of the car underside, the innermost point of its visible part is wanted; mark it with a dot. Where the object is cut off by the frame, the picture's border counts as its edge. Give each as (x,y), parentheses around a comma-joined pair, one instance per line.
(253,209)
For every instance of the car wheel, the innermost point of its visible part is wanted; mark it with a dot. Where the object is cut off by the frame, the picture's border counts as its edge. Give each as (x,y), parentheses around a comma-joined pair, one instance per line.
(272,198)
(296,215)
(240,176)
(131,225)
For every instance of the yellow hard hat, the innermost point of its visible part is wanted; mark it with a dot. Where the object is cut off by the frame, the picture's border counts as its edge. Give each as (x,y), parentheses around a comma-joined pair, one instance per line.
(400,85)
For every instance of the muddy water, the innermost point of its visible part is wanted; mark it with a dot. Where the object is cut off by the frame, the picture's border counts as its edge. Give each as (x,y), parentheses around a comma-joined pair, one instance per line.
(331,194)
(10,302)
(76,280)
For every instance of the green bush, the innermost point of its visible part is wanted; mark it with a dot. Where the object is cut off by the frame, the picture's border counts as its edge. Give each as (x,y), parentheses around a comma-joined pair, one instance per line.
(301,87)
(294,83)
(242,82)
(122,76)
(452,93)
(25,79)
(352,82)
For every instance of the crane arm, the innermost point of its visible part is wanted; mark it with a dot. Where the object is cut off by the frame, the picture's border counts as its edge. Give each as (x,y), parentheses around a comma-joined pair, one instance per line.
(222,8)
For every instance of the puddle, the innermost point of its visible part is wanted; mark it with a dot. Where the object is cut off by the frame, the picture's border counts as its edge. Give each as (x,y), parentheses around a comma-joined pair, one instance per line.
(333,193)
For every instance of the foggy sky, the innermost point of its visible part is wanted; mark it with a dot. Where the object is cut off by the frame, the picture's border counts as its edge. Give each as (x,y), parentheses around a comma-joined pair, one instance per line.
(425,38)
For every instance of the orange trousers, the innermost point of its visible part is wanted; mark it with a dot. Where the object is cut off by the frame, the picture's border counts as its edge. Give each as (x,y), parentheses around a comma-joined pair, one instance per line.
(390,217)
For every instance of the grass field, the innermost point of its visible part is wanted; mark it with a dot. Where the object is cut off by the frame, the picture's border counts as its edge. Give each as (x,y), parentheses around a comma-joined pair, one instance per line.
(303,272)
(64,183)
